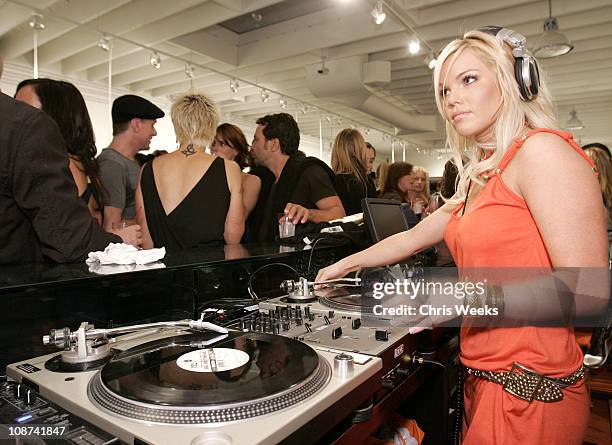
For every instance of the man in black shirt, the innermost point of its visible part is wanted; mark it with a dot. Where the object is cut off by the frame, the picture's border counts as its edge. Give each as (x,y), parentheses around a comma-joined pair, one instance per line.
(303,187)
(40,212)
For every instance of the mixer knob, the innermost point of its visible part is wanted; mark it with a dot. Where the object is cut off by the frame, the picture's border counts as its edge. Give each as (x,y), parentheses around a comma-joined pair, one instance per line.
(356,323)
(331,314)
(307,312)
(285,325)
(299,321)
(271,313)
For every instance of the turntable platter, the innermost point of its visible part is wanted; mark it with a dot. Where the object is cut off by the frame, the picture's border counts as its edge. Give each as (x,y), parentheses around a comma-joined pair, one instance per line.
(186,379)
(342,299)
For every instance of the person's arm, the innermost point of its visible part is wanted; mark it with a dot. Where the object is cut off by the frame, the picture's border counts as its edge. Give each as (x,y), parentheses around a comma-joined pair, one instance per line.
(111,215)
(141,216)
(328,209)
(565,201)
(251,186)
(234,220)
(113,180)
(315,185)
(394,248)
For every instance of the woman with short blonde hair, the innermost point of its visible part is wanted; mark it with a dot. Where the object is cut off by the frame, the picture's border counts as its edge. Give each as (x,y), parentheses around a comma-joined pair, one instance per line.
(188,198)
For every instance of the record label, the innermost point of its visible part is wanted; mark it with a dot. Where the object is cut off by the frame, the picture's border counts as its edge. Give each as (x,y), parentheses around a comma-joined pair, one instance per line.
(212,360)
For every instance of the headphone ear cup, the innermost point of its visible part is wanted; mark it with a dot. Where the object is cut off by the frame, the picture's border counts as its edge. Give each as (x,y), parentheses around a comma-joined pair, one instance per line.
(518,75)
(534,74)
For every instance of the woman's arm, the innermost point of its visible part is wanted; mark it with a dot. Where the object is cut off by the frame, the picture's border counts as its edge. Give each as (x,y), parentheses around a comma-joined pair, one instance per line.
(234,220)
(141,216)
(395,248)
(564,198)
(251,186)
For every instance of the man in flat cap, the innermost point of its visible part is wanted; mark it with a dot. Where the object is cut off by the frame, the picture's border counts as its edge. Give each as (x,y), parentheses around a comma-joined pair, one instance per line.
(133,128)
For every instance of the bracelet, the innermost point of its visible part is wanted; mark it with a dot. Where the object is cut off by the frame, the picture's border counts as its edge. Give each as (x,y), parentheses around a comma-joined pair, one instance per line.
(495,298)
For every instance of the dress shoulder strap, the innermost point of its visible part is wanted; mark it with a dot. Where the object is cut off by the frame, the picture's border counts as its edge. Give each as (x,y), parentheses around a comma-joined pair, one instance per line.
(518,143)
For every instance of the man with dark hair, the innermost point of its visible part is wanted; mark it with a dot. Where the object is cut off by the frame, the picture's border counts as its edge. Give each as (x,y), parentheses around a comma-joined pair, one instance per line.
(41,215)
(302,187)
(133,128)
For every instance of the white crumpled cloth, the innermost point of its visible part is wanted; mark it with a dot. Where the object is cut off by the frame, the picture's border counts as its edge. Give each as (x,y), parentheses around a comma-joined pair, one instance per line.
(119,253)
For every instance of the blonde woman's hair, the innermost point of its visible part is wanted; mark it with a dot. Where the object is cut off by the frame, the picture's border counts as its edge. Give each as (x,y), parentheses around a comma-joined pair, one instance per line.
(513,116)
(349,155)
(381,174)
(425,193)
(195,118)
(604,168)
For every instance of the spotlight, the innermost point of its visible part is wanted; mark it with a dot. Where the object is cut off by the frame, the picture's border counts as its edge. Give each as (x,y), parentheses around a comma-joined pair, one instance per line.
(378,14)
(234,85)
(189,71)
(328,118)
(257,18)
(304,109)
(414,46)
(155,60)
(283,102)
(36,21)
(104,43)
(265,95)
(366,131)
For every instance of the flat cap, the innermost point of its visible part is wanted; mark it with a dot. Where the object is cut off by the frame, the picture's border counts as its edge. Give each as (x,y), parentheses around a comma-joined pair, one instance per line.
(128,107)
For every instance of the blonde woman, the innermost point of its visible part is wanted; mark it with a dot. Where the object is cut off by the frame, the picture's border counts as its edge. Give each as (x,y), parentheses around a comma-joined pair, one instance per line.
(418,192)
(349,163)
(520,178)
(189,198)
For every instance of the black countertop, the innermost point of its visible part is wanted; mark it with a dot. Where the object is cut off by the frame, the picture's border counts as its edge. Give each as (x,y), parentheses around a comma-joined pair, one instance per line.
(13,277)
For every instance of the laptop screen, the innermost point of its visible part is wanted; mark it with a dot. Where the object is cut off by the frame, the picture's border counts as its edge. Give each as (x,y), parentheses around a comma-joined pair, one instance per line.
(386,217)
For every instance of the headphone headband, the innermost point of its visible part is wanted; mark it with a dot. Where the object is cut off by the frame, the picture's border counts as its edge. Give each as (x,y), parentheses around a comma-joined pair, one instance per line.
(525,67)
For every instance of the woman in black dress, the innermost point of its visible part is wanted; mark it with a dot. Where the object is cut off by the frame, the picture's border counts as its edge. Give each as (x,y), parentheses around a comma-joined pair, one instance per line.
(349,161)
(189,198)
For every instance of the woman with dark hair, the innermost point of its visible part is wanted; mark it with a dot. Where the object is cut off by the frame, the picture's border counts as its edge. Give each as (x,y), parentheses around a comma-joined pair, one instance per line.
(231,144)
(349,163)
(397,182)
(65,104)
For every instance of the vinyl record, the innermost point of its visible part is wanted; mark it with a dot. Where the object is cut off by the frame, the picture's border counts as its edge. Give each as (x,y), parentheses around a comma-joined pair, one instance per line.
(207,377)
(342,299)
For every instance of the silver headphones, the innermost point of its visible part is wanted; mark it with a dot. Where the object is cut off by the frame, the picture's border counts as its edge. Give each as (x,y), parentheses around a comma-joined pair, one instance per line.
(525,67)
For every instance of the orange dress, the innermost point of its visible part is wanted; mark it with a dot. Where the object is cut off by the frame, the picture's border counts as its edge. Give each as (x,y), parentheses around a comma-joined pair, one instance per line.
(500,232)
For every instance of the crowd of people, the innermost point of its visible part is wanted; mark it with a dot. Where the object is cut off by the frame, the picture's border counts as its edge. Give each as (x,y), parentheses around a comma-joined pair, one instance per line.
(215,188)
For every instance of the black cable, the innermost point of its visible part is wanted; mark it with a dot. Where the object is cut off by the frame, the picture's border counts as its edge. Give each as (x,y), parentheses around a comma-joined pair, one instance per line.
(250,286)
(312,252)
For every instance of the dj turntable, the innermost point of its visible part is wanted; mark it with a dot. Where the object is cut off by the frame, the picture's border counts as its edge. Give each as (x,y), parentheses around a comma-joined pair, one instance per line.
(190,382)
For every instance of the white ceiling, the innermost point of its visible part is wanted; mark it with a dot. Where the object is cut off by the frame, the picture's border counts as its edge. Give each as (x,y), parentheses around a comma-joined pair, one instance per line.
(221,35)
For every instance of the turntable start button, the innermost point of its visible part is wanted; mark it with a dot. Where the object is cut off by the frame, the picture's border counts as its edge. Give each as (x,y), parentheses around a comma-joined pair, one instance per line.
(212,438)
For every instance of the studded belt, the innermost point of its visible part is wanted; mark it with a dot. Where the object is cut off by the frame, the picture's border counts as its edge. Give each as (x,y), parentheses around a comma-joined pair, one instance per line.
(527,384)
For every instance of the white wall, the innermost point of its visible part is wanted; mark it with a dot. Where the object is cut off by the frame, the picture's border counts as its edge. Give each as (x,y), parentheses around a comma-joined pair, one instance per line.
(97,103)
